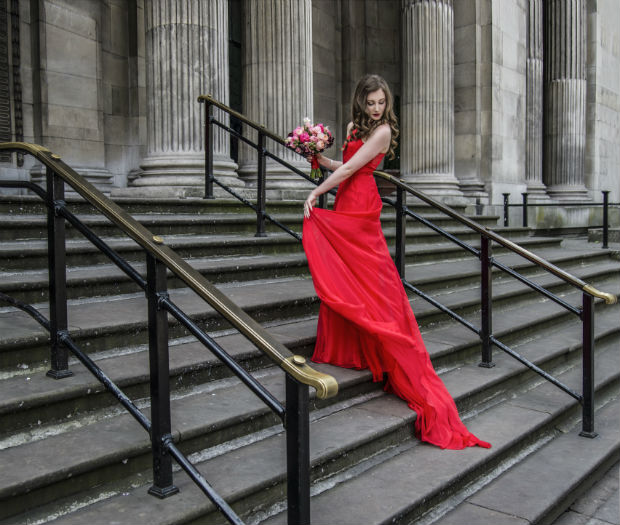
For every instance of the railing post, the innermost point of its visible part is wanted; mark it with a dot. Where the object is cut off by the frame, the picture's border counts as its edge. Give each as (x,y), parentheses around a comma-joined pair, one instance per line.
(56,257)
(486,302)
(587,320)
(156,287)
(323,196)
(208,151)
(260,188)
(524,209)
(401,224)
(506,197)
(605,218)
(297,423)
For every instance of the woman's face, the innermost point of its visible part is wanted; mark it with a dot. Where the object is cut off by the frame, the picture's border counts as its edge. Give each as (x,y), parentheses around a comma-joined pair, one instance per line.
(375,104)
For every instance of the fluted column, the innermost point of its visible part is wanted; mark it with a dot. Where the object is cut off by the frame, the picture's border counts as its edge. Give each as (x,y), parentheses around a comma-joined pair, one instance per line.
(277,81)
(534,116)
(427,143)
(186,55)
(565,84)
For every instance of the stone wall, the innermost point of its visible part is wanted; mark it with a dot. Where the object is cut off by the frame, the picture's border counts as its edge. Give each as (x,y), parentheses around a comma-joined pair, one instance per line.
(351,38)
(506,171)
(602,163)
(123,86)
(83,83)
(67,97)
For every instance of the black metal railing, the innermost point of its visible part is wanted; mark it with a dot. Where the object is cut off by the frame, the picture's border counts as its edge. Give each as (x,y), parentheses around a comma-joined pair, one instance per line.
(484,253)
(159,258)
(524,205)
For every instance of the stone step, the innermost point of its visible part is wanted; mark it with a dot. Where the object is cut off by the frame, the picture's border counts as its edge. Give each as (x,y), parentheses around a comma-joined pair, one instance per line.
(30,204)
(27,226)
(32,285)
(32,254)
(104,323)
(348,464)
(415,483)
(30,401)
(549,479)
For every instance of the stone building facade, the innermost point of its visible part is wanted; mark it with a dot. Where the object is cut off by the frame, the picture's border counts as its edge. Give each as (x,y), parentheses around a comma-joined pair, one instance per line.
(493,96)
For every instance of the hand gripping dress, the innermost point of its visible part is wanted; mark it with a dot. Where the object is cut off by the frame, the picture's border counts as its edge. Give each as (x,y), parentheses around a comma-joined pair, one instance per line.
(365,319)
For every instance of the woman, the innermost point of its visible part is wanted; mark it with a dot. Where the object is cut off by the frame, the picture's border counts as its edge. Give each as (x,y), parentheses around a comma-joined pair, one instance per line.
(365,320)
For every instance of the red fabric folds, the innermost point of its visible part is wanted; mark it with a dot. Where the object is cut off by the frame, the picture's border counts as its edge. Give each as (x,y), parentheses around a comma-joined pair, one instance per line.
(365,319)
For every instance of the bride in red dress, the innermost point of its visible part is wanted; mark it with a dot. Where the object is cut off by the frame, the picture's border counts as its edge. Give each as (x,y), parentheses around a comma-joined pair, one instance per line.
(365,319)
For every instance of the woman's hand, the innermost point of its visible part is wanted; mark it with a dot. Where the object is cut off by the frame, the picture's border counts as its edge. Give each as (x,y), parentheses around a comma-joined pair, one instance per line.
(309,204)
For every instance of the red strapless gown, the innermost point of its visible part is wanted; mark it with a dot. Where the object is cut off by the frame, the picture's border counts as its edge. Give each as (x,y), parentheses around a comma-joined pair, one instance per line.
(365,319)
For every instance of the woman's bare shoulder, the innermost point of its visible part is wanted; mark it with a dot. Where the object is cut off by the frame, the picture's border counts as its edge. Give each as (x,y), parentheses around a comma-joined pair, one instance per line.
(349,127)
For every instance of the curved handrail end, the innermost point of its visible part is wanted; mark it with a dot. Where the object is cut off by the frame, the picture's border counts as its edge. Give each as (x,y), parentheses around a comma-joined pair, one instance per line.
(326,386)
(609,298)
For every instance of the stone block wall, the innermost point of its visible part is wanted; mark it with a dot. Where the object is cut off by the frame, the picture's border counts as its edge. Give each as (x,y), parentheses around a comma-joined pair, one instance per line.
(602,162)
(351,38)
(508,102)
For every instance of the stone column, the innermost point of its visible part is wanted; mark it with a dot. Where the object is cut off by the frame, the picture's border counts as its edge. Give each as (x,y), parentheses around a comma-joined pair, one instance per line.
(427,141)
(186,56)
(277,84)
(565,85)
(534,101)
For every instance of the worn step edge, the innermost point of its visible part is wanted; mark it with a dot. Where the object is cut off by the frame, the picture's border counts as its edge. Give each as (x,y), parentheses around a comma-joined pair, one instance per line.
(88,281)
(32,345)
(440,474)
(124,454)
(549,479)
(249,498)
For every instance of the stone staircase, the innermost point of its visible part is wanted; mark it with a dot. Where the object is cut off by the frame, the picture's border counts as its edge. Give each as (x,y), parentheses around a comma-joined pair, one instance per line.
(69,454)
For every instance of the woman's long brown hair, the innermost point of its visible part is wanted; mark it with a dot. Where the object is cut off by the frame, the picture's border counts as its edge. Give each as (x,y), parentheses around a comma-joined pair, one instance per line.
(363,125)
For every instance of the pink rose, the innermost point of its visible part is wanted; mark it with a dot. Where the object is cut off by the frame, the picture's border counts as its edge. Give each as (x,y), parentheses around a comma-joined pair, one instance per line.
(298,131)
(320,144)
(317,129)
(298,150)
(304,137)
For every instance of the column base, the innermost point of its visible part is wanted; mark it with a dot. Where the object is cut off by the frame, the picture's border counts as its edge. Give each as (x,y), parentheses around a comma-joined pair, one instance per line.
(101,178)
(279,178)
(179,176)
(536,192)
(566,193)
(442,186)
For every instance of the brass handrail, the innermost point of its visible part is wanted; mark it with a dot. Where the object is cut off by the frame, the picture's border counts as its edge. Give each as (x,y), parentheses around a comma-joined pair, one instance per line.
(609,298)
(325,385)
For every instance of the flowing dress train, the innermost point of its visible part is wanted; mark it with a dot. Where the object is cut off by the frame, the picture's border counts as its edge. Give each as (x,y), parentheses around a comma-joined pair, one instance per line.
(365,319)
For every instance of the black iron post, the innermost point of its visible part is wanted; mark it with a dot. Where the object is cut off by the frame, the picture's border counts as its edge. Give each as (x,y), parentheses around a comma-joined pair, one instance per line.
(208,151)
(56,257)
(323,196)
(506,197)
(261,189)
(478,206)
(401,224)
(297,422)
(605,218)
(156,287)
(524,209)
(587,320)
(486,302)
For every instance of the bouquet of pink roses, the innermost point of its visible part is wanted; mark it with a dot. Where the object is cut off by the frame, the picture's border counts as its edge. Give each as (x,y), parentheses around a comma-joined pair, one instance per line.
(309,140)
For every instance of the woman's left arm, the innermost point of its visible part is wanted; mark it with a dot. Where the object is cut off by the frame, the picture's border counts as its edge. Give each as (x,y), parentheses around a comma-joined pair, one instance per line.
(376,143)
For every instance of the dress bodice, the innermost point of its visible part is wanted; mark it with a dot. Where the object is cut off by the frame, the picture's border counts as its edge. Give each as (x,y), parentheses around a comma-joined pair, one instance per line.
(359,193)
(351,148)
